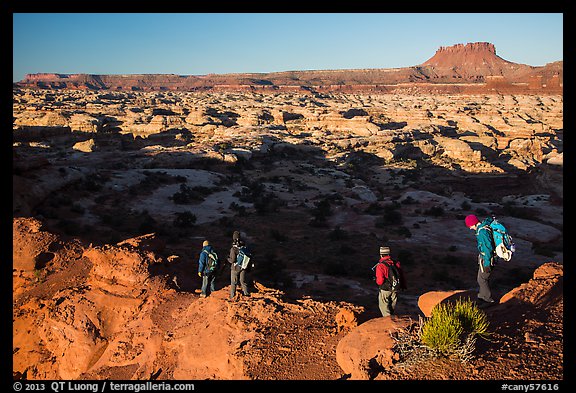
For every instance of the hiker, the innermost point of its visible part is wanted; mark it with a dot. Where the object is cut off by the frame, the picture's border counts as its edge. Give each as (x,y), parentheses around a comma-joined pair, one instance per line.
(486,251)
(236,271)
(390,279)
(205,268)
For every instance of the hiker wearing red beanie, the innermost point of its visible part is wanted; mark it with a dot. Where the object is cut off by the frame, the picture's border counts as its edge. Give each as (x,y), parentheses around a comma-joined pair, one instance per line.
(486,250)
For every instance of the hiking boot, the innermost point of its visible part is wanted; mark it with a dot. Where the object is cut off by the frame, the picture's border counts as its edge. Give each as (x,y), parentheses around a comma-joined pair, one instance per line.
(485,303)
(203,295)
(486,300)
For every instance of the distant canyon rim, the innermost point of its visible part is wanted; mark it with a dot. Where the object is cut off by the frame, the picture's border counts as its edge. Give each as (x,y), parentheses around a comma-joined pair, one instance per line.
(472,68)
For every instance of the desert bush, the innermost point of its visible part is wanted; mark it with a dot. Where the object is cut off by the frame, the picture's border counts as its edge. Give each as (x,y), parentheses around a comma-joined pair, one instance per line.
(267,203)
(442,331)
(409,201)
(241,210)
(391,216)
(146,223)
(91,184)
(453,327)
(184,220)
(435,211)
(338,234)
(373,208)
(403,231)
(189,195)
(472,318)
(322,209)
(270,269)
(518,212)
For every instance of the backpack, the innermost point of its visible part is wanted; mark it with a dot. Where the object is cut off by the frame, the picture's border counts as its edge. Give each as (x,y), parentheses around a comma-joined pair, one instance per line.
(503,244)
(392,282)
(211,263)
(243,258)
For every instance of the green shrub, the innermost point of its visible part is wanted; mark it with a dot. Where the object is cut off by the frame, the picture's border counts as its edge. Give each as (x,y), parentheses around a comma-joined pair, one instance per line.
(442,331)
(474,320)
(452,327)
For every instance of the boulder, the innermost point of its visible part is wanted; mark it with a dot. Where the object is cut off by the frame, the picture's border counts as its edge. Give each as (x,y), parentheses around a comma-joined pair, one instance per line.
(428,300)
(85,146)
(31,247)
(368,348)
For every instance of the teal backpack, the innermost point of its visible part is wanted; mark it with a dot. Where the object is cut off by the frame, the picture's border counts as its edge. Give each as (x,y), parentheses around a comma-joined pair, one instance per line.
(503,244)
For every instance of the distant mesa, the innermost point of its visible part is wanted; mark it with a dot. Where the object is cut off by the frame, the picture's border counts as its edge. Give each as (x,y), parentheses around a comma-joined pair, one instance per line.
(472,68)
(476,60)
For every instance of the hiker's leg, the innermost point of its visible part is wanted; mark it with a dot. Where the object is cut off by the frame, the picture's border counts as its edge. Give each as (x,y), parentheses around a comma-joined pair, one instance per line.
(383,302)
(243,282)
(483,279)
(204,284)
(233,281)
(212,280)
(393,299)
(210,284)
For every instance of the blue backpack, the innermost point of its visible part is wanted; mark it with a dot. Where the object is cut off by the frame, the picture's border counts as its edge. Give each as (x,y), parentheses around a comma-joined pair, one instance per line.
(503,244)
(243,258)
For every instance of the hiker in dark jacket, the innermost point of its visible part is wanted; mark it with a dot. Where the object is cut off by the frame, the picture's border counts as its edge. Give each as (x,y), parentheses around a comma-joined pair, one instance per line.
(208,278)
(485,244)
(387,296)
(236,272)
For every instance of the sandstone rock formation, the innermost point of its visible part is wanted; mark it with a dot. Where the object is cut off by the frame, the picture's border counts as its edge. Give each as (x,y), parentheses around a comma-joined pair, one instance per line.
(370,346)
(103,313)
(471,68)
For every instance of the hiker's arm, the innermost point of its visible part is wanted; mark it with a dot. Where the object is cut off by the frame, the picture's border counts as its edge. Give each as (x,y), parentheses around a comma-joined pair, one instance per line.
(201,262)
(232,256)
(380,274)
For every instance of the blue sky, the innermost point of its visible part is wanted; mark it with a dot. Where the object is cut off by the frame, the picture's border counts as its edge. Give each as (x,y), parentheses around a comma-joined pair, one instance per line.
(202,43)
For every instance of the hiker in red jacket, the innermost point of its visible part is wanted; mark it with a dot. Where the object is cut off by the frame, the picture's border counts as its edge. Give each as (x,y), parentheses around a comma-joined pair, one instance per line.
(390,279)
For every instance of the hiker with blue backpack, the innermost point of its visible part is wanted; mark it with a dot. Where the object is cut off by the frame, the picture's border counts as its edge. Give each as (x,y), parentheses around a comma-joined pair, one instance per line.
(239,259)
(207,266)
(493,241)
(390,279)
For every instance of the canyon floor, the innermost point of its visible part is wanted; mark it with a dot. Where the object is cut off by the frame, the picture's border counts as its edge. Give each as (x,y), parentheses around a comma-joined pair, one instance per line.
(114,193)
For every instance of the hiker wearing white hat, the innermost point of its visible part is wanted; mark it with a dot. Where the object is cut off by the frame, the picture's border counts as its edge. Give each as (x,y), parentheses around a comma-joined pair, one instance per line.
(390,279)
